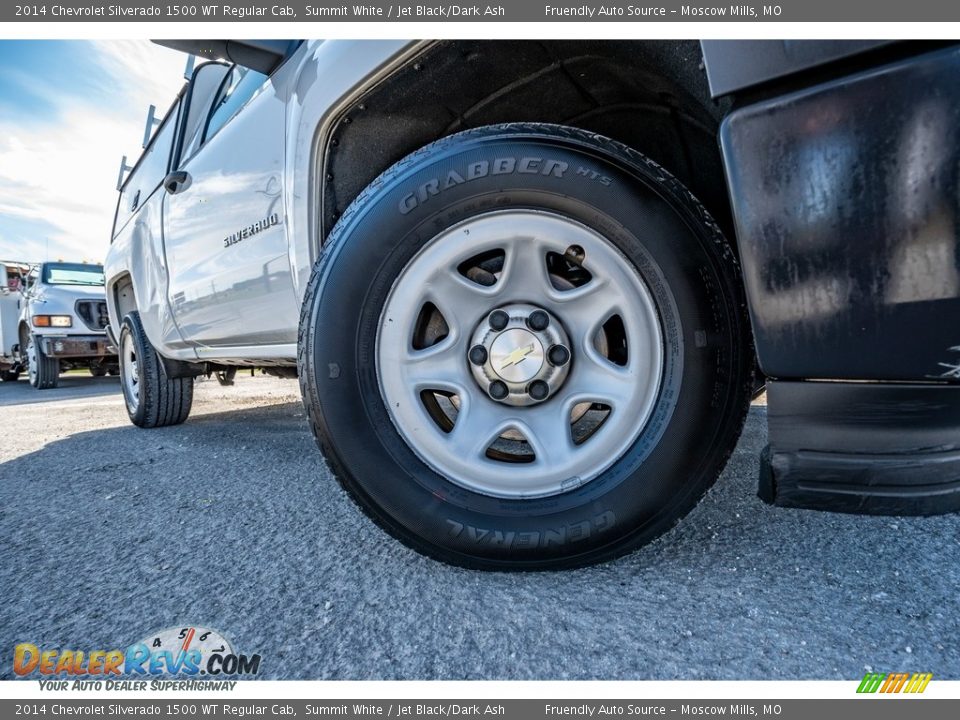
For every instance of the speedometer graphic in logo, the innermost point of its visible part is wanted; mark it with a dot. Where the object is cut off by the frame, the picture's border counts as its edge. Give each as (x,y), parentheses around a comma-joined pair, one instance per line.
(184,639)
(185,650)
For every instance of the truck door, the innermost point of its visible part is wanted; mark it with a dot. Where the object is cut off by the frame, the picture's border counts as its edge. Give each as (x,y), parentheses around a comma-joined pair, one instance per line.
(230,282)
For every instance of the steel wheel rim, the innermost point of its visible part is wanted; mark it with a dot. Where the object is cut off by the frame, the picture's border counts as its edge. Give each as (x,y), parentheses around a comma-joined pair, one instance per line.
(32,361)
(462,453)
(129,373)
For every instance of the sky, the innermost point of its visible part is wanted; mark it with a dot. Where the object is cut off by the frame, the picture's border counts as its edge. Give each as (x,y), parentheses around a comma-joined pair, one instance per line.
(69,110)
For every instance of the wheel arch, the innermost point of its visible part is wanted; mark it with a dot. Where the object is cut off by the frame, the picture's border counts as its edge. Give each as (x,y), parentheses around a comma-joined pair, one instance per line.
(651,95)
(121,299)
(23,334)
(124,294)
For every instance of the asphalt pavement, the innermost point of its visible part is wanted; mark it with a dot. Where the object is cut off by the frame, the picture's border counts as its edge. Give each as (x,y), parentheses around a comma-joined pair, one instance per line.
(232,521)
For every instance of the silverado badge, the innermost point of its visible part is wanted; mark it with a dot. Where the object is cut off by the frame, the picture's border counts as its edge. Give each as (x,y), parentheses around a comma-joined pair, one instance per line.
(250,230)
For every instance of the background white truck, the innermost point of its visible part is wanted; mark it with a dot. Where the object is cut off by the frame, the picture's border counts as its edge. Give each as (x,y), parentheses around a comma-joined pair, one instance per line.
(62,321)
(12,276)
(514,278)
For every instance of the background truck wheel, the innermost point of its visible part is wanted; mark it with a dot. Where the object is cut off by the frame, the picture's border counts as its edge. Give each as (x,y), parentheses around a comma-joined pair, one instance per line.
(9,376)
(227,376)
(98,371)
(152,399)
(526,347)
(43,371)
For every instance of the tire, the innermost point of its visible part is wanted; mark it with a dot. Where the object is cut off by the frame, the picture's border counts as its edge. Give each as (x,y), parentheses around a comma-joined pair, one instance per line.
(670,383)
(151,398)
(98,371)
(227,376)
(9,376)
(43,371)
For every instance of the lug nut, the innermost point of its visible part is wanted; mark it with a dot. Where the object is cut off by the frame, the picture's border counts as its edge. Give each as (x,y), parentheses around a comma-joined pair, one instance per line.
(498,390)
(478,355)
(538,390)
(498,319)
(538,320)
(558,355)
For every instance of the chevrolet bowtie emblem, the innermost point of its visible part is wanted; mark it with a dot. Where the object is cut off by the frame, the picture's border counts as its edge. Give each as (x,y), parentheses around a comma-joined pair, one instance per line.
(517,356)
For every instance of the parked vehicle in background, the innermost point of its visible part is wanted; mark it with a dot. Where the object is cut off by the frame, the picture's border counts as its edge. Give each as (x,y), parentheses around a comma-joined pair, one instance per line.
(12,276)
(525,289)
(63,317)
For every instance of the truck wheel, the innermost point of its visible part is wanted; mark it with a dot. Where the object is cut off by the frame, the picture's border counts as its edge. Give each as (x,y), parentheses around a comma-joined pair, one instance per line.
(9,376)
(227,376)
(152,399)
(526,347)
(98,371)
(43,371)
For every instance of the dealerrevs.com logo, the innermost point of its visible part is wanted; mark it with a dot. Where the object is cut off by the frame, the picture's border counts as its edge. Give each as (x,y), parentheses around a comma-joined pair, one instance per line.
(182,651)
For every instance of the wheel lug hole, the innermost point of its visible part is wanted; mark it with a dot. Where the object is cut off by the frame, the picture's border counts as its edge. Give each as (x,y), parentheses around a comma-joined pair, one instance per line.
(498,390)
(498,319)
(478,355)
(538,320)
(558,355)
(538,390)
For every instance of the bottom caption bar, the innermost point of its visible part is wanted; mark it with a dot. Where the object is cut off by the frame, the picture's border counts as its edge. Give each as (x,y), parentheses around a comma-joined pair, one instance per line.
(876,708)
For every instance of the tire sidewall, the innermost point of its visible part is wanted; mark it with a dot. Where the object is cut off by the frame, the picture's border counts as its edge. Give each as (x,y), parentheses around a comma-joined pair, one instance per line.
(129,328)
(655,479)
(43,372)
(33,362)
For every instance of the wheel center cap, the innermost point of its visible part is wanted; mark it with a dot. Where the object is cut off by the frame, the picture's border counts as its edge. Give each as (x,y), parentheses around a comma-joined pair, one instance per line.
(516,355)
(519,354)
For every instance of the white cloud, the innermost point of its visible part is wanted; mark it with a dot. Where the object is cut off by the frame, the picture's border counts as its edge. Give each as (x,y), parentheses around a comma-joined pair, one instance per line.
(148,72)
(61,171)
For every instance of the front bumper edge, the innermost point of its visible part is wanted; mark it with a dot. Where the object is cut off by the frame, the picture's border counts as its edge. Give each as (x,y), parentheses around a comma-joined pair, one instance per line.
(76,346)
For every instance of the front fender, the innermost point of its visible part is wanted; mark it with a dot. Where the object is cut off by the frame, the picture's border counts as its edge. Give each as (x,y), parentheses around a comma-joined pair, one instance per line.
(328,77)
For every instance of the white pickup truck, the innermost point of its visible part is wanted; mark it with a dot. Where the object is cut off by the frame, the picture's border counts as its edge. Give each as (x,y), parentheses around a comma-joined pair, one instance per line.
(508,275)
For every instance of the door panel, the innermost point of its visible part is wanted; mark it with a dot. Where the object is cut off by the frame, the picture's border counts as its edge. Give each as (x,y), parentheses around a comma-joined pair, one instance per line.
(225,239)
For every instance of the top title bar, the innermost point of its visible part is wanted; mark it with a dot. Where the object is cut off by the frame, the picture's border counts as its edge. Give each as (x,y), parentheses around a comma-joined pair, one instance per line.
(507,11)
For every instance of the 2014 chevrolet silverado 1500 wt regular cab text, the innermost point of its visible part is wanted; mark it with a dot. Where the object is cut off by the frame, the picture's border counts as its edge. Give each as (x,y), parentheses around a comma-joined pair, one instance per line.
(527,292)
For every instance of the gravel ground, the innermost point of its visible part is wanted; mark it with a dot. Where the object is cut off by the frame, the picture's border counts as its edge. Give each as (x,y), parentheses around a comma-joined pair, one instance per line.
(232,521)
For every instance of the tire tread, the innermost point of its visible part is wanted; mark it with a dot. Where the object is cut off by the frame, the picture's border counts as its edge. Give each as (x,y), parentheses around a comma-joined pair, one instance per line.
(48,369)
(163,401)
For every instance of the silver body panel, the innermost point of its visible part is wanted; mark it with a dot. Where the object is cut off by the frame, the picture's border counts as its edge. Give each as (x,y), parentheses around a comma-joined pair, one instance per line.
(219,269)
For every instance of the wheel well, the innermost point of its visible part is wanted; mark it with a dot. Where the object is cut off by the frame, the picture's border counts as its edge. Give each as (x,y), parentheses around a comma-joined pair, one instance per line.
(124,298)
(650,95)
